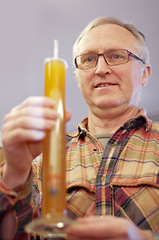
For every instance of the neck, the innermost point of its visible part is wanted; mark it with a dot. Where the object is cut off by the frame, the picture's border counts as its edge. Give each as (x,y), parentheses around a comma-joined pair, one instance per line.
(109,122)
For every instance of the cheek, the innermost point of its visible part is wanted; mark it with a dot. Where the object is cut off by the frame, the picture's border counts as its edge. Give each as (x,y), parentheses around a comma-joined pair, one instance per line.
(136,77)
(123,77)
(129,77)
(83,78)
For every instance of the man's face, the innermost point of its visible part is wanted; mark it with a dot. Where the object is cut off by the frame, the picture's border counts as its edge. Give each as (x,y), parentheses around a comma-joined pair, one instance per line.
(104,86)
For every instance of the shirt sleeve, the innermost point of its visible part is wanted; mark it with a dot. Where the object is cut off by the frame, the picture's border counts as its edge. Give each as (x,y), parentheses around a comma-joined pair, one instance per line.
(17,200)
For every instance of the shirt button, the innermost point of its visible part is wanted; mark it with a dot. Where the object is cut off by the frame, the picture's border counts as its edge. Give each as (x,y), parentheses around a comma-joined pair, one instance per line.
(94,149)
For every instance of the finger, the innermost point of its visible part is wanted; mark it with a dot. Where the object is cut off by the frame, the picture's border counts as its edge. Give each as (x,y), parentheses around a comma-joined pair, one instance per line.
(33,103)
(44,113)
(29,123)
(92,219)
(93,228)
(68,115)
(23,135)
(37,101)
(96,227)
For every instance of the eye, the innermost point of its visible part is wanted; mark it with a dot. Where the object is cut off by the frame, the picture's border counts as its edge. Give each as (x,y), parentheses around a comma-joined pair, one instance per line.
(88,58)
(116,56)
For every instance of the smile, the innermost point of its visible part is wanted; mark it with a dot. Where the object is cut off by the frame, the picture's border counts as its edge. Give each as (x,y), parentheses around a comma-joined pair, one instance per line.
(104,85)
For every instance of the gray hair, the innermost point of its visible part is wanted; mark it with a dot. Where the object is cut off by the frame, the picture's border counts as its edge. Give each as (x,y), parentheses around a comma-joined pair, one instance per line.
(141,43)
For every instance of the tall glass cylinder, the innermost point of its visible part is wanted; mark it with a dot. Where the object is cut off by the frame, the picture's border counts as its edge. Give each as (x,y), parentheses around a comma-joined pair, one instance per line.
(54,219)
(54,189)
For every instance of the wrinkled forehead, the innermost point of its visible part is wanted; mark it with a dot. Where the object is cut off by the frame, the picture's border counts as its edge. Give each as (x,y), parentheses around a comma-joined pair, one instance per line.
(105,37)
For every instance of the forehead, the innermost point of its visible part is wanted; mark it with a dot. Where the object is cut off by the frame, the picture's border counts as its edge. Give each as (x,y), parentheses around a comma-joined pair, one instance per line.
(105,37)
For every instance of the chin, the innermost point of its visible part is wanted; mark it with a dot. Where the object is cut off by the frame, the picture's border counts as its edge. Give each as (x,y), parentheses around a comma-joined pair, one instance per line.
(106,106)
(107,103)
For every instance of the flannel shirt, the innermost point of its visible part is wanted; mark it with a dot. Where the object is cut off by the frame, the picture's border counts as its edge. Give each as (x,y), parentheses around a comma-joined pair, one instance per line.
(122,179)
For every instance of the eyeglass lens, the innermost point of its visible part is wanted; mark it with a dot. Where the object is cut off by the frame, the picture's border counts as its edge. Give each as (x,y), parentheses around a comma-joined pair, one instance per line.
(112,57)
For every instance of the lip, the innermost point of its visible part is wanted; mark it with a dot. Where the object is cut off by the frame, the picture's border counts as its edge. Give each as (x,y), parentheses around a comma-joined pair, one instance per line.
(104,84)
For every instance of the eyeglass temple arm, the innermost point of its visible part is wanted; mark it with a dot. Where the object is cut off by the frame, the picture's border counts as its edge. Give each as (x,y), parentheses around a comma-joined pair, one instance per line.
(134,56)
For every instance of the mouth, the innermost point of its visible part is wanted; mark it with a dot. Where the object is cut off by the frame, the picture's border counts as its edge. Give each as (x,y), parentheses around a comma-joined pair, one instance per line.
(104,85)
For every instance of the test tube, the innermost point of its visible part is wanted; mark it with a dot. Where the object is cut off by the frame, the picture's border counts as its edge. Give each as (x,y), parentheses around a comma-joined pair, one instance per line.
(54,147)
(54,219)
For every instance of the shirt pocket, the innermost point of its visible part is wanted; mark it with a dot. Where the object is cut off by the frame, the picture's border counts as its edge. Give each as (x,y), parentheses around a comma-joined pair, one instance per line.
(138,202)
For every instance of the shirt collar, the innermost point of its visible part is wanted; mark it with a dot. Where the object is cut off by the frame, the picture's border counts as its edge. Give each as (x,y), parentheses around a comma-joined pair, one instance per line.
(141,116)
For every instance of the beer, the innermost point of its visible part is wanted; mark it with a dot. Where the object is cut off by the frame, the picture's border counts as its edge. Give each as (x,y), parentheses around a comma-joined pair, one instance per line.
(54,219)
(54,189)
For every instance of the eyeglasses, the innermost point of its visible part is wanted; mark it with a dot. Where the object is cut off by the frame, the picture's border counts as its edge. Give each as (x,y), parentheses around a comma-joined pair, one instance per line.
(112,58)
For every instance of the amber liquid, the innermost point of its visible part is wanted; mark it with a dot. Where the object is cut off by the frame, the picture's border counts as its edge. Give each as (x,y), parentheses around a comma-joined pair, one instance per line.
(54,189)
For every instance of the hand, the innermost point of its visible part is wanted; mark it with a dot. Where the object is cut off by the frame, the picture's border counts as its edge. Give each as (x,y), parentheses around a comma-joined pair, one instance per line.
(106,227)
(22,134)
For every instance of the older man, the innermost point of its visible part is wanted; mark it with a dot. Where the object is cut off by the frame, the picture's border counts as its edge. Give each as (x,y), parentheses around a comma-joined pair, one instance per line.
(112,159)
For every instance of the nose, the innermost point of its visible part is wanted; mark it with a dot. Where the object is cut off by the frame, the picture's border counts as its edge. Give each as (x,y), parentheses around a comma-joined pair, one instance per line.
(102,67)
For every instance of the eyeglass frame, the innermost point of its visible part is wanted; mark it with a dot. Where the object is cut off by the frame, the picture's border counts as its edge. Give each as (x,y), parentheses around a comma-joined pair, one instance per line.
(130,54)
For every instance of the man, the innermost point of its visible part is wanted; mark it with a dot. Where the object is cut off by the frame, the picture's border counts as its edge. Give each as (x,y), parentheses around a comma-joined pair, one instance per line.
(112,160)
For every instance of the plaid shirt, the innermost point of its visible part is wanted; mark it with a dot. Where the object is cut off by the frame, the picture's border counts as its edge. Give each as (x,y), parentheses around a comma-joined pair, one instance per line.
(122,179)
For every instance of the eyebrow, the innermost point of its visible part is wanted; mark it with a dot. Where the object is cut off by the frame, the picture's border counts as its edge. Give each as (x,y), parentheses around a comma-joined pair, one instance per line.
(95,52)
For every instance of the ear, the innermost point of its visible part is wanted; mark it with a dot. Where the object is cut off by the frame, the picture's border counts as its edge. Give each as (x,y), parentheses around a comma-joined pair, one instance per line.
(146,74)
